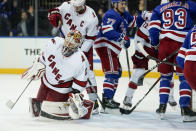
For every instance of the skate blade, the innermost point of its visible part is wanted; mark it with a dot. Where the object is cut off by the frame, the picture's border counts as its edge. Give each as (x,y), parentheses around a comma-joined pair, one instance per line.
(95,112)
(189,118)
(161,116)
(112,111)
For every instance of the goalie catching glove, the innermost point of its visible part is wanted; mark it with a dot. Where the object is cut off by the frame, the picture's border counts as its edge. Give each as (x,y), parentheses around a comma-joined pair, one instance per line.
(76,108)
(35,72)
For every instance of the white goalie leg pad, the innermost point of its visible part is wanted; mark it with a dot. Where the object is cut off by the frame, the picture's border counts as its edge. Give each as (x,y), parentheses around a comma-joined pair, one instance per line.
(136,74)
(36,71)
(76,108)
(55,110)
(92,78)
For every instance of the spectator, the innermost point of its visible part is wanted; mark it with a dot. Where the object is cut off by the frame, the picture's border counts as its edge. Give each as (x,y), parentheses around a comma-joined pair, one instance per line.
(14,16)
(5,27)
(100,15)
(30,16)
(23,28)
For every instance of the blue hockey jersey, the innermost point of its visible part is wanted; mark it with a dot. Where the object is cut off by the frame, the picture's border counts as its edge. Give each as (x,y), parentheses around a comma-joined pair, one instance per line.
(188,49)
(113,26)
(172,20)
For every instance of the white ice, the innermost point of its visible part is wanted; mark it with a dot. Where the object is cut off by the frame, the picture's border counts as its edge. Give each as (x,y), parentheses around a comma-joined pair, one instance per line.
(143,117)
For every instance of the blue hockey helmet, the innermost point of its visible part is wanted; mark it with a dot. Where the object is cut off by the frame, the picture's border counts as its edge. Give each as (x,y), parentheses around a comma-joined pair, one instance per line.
(113,1)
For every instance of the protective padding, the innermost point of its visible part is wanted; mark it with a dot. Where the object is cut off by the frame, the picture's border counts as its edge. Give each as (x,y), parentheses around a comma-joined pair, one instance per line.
(185,92)
(165,86)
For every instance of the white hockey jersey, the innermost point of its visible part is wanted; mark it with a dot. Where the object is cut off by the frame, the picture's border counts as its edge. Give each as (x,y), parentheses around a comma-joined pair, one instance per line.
(86,23)
(142,34)
(64,73)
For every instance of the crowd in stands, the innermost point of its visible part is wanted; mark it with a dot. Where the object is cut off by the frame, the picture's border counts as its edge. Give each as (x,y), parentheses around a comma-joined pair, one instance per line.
(15,21)
(17,17)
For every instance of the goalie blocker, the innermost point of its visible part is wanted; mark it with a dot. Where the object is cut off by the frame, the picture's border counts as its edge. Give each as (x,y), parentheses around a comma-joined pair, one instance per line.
(74,108)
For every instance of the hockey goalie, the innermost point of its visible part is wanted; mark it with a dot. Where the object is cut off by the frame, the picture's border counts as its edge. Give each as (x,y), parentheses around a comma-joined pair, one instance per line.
(63,70)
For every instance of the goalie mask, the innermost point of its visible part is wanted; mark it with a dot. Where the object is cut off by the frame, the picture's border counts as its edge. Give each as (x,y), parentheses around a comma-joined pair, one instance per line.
(72,42)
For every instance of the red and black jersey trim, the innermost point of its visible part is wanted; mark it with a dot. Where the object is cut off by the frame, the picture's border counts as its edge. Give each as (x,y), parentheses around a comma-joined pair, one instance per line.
(61,85)
(80,83)
(90,37)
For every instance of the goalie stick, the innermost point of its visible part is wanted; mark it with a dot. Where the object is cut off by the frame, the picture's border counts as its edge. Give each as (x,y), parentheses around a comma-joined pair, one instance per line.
(11,104)
(97,95)
(132,109)
(140,80)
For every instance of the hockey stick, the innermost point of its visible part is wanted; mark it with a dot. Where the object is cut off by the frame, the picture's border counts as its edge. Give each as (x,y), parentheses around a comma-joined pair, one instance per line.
(132,109)
(165,62)
(11,104)
(140,46)
(128,65)
(97,95)
(140,80)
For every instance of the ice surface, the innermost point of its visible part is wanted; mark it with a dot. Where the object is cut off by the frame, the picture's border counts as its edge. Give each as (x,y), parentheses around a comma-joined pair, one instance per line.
(143,118)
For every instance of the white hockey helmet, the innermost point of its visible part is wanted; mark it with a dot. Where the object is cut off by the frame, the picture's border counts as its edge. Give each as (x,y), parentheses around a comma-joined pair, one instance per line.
(164,1)
(72,42)
(78,2)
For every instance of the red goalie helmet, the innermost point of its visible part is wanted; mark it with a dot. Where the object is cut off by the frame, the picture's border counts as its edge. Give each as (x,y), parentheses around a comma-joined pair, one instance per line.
(72,42)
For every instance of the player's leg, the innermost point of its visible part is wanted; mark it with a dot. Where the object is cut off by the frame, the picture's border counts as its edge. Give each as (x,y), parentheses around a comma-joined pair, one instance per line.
(190,73)
(140,64)
(35,103)
(45,94)
(118,77)
(171,100)
(185,98)
(166,74)
(110,67)
(164,92)
(73,108)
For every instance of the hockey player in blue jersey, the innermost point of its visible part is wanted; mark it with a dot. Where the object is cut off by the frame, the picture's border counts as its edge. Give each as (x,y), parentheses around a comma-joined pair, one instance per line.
(170,23)
(140,59)
(187,57)
(110,40)
(187,60)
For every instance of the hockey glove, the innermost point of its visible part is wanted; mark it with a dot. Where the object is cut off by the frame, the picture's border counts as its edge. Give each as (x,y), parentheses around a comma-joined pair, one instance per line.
(54,17)
(76,108)
(124,41)
(146,15)
(35,72)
